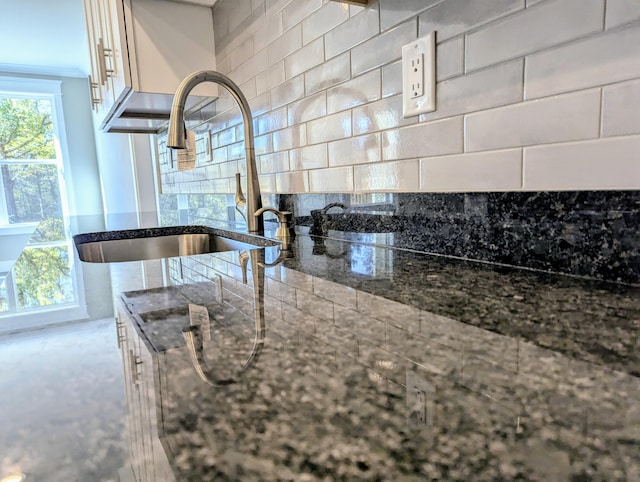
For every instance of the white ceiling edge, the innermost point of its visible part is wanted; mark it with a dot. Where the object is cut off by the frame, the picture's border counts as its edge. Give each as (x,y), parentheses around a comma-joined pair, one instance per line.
(42,70)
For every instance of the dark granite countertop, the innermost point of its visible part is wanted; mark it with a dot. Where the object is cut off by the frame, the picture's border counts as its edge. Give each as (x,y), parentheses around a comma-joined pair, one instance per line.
(347,361)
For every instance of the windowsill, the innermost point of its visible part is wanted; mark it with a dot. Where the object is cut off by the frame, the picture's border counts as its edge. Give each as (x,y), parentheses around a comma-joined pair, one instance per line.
(16,322)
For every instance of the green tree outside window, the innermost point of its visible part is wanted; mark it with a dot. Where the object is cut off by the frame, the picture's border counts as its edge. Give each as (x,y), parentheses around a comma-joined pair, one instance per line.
(42,274)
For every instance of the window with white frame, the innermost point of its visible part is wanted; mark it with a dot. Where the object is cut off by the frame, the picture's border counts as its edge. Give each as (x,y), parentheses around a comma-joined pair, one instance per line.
(32,191)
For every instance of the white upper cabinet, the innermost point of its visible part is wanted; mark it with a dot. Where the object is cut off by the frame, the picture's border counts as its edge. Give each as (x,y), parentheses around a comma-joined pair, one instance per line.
(140,51)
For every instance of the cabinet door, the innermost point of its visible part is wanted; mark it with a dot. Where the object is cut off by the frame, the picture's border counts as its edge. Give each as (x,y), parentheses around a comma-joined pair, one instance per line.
(149,461)
(158,467)
(95,84)
(116,54)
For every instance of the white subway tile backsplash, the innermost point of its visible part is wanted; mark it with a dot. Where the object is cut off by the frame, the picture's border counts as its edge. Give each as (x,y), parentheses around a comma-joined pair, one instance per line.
(235,151)
(241,10)
(330,73)
(318,72)
(620,12)
(329,128)
(224,137)
(263,144)
(309,108)
(267,183)
(335,179)
(292,182)
(269,31)
(286,93)
(276,162)
(454,17)
(392,12)
(381,115)
(321,21)
(356,30)
(260,104)
(249,89)
(249,69)
(294,136)
(212,171)
(592,62)
(449,59)
(357,91)
(355,150)
(242,53)
(484,89)
(549,24)
(220,154)
(272,121)
(310,157)
(218,185)
(485,171)
(600,164)
(388,176)
(223,65)
(273,7)
(262,83)
(383,49)
(355,9)
(621,109)
(297,11)
(302,60)
(392,79)
(271,77)
(424,140)
(285,44)
(554,119)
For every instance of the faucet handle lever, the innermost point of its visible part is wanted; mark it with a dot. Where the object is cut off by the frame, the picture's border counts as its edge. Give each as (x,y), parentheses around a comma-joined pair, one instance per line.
(284,232)
(281,215)
(241,201)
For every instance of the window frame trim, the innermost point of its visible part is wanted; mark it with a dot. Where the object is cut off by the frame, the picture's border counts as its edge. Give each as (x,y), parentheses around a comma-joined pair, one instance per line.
(51,89)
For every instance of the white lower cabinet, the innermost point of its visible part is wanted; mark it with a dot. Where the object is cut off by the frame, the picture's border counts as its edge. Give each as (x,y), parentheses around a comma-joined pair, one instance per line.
(149,461)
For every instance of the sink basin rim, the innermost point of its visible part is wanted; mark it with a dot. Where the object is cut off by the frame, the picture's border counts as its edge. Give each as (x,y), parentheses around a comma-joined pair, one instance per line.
(166,242)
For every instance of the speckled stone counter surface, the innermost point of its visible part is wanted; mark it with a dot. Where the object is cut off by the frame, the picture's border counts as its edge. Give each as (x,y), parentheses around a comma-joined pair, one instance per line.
(587,233)
(347,361)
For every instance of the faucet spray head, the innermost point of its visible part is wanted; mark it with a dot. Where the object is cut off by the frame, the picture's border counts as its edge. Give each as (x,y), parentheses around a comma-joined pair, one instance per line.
(177,135)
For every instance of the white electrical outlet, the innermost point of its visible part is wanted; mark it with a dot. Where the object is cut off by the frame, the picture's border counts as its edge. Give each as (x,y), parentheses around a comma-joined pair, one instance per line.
(419,76)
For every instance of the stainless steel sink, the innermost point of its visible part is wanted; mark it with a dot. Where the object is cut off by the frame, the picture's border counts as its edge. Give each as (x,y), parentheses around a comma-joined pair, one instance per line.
(154,247)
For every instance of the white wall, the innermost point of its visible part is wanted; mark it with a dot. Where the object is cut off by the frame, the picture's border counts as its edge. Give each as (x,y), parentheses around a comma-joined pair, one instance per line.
(81,145)
(43,37)
(531,95)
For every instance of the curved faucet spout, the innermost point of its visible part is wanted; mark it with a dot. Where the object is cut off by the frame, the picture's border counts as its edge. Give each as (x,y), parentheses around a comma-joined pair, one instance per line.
(177,134)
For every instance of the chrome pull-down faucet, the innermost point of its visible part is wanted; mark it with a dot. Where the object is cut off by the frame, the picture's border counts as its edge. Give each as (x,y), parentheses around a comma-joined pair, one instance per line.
(177,136)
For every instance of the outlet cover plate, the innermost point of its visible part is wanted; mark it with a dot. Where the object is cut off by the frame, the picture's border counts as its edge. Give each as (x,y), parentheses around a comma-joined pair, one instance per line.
(419,76)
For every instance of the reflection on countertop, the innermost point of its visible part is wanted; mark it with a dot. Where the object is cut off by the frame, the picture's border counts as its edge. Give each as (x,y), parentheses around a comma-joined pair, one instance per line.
(352,361)
(380,364)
